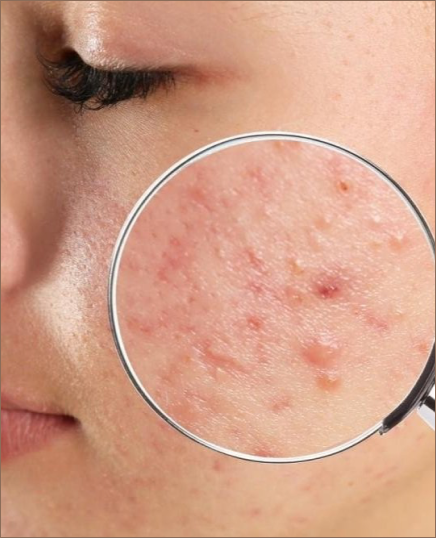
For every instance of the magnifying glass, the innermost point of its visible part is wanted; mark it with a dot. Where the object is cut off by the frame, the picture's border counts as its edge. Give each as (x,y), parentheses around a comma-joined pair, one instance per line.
(271,296)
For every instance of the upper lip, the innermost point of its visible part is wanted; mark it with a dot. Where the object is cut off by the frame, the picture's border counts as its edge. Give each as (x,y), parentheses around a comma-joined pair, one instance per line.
(21,402)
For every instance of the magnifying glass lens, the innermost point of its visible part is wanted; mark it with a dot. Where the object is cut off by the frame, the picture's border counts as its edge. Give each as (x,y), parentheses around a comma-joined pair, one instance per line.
(274,297)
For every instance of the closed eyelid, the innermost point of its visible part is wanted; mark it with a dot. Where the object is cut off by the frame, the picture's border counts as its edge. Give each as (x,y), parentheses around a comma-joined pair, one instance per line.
(92,88)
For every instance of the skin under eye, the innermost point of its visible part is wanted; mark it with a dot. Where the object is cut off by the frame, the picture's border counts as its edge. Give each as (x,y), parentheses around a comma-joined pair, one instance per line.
(93,89)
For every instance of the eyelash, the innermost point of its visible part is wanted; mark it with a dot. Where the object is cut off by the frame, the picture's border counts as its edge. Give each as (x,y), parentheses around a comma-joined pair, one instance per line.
(94,89)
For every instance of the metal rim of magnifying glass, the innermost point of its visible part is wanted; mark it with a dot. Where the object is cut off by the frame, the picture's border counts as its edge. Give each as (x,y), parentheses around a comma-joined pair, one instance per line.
(412,401)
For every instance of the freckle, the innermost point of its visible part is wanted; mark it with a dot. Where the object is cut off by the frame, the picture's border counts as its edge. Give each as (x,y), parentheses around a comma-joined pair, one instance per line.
(322,352)
(255,323)
(328,381)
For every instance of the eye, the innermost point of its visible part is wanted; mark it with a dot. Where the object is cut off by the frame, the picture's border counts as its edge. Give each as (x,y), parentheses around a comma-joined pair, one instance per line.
(93,89)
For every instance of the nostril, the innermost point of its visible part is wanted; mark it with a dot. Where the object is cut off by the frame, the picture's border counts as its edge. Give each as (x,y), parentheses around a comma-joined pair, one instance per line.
(14,250)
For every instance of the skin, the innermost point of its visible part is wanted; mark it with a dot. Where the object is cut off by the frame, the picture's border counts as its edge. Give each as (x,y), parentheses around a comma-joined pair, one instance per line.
(344,71)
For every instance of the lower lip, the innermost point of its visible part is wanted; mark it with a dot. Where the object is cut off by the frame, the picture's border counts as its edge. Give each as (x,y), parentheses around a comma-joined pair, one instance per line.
(24,431)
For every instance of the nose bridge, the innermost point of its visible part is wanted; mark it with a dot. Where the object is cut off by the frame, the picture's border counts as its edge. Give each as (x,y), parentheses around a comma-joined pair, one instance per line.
(30,205)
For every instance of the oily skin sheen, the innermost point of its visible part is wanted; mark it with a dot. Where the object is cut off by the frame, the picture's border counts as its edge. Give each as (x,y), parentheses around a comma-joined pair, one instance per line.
(344,71)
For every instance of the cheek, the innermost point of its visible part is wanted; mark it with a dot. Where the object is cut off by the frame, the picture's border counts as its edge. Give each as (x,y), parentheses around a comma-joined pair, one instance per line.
(266,283)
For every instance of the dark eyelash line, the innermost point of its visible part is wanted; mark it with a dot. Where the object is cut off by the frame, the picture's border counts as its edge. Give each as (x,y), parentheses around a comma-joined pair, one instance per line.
(93,89)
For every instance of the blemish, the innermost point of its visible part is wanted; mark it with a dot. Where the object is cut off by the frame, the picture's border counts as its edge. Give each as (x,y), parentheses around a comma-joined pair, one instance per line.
(329,287)
(256,287)
(398,241)
(263,452)
(293,296)
(217,466)
(220,362)
(296,266)
(281,404)
(322,352)
(261,181)
(376,322)
(323,222)
(255,512)
(328,381)
(343,186)
(255,323)
(198,196)
(254,260)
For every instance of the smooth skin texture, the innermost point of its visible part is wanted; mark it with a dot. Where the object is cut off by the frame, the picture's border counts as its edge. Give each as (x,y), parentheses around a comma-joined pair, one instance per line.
(358,73)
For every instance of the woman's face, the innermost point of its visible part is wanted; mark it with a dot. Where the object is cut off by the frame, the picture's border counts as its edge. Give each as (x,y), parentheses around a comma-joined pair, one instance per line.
(357,73)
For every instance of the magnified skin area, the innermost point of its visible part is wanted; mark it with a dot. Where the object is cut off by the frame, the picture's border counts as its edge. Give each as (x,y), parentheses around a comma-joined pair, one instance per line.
(264,298)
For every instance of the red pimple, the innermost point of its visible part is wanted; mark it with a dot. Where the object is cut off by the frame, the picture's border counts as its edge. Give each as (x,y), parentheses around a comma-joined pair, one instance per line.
(259,181)
(254,260)
(328,288)
(323,352)
(199,196)
(255,322)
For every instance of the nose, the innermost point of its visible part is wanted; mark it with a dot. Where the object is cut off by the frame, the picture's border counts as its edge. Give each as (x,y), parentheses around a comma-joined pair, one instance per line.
(15,248)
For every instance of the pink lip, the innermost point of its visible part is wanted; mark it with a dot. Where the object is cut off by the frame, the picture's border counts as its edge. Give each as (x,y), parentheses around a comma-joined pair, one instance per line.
(24,431)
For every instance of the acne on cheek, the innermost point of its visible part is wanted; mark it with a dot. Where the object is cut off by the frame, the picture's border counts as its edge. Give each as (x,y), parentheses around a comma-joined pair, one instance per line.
(218,299)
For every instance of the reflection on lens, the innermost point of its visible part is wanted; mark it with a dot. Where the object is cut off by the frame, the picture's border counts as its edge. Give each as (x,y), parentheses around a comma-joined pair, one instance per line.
(275,297)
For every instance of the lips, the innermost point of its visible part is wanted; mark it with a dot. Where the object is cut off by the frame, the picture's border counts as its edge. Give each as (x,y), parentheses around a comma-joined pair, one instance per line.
(24,430)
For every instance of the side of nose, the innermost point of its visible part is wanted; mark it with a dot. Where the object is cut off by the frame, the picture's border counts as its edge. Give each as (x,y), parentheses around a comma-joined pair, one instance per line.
(15,247)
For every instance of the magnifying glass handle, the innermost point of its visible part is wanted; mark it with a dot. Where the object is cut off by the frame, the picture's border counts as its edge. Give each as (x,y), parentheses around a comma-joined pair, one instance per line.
(426,411)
